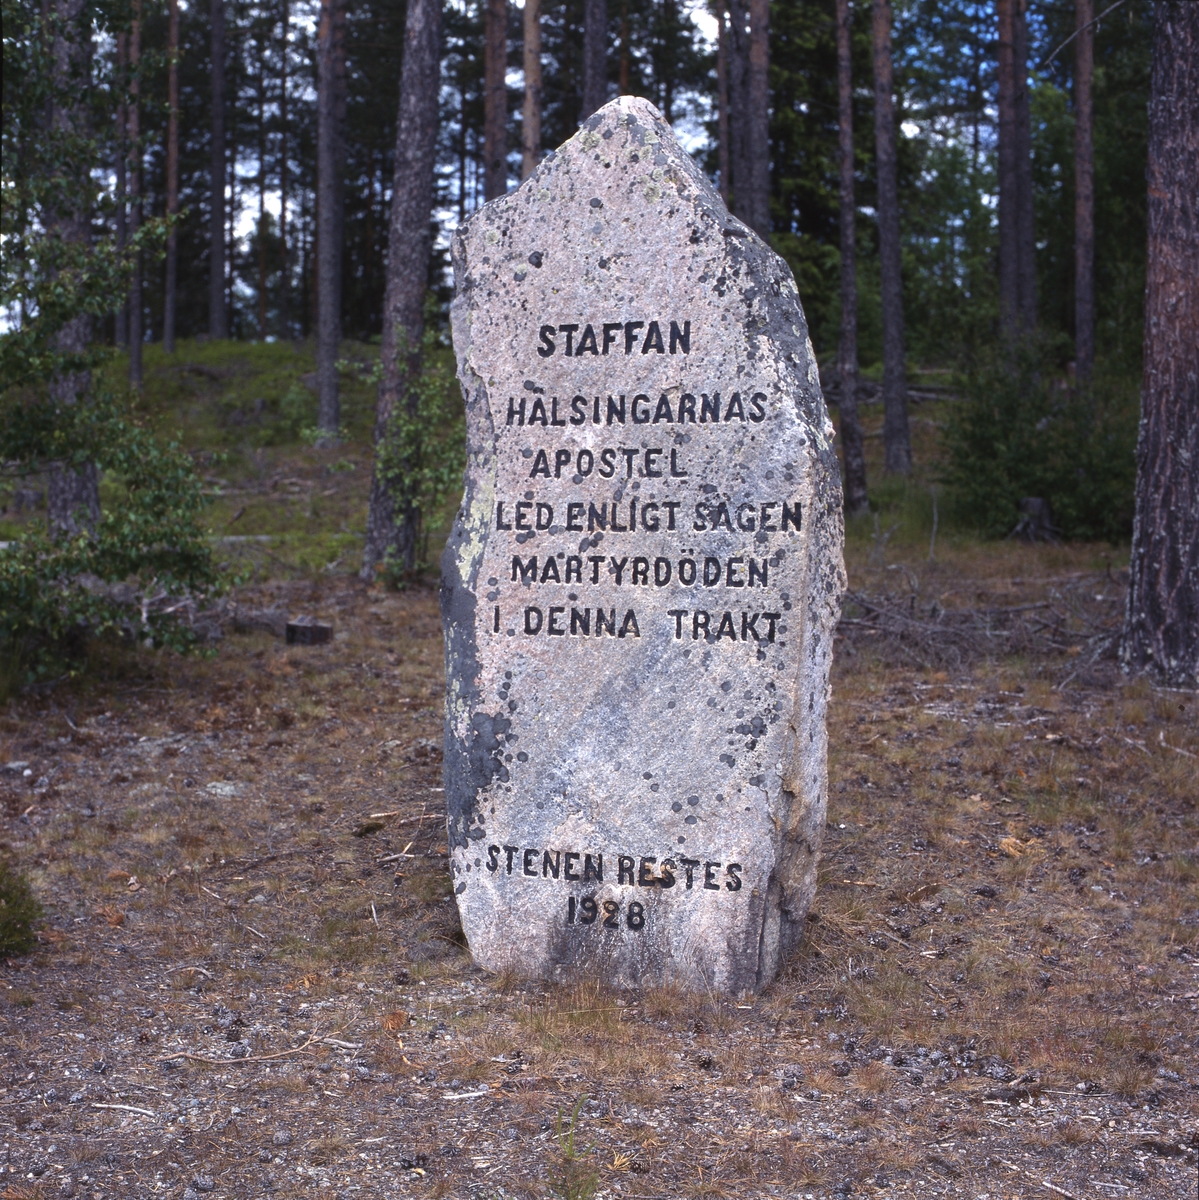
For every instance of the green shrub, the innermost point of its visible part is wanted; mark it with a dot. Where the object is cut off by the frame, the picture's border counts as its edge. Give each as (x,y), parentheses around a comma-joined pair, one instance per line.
(575,1178)
(297,410)
(422,454)
(1019,434)
(138,574)
(19,912)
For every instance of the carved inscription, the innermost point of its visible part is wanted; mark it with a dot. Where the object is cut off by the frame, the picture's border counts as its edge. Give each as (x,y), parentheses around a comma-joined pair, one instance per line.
(578,507)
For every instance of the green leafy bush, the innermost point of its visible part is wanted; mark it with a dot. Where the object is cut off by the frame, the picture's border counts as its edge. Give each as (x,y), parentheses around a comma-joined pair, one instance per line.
(1019,435)
(297,410)
(421,457)
(19,913)
(138,574)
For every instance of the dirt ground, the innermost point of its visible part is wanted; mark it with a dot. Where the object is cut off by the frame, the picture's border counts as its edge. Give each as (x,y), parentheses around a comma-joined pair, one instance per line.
(251,980)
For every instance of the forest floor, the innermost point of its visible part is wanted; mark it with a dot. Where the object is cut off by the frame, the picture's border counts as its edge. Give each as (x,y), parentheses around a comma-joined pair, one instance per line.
(251,979)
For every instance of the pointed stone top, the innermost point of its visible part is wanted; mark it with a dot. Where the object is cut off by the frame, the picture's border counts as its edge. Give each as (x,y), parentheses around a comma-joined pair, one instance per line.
(621,212)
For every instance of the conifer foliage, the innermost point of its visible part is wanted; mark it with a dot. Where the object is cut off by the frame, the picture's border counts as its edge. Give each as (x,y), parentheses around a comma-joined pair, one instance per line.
(138,567)
(961,181)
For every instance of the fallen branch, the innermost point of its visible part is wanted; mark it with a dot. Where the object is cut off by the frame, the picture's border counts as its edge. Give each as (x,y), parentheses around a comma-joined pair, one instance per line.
(1054,1188)
(145,1112)
(237,1062)
(1136,745)
(1161,741)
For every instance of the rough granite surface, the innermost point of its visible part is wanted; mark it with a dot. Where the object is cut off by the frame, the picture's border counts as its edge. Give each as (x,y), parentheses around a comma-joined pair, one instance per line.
(641,586)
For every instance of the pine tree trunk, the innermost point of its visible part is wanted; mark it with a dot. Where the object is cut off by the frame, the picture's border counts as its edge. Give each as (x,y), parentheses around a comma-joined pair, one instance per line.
(897,445)
(741,186)
(393,525)
(218,321)
(171,286)
(284,180)
(217,316)
(758,133)
(623,67)
(1084,195)
(331,83)
(530,132)
(232,209)
(72,493)
(1161,627)
(136,305)
(122,232)
(1009,188)
(1026,237)
(722,99)
(495,100)
(847,349)
(595,57)
(669,72)
(261,82)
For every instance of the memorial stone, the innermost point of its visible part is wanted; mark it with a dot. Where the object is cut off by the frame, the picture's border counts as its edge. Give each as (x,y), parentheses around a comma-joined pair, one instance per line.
(641,586)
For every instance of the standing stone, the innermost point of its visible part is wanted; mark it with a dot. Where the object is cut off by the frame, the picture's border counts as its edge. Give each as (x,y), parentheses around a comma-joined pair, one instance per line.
(641,585)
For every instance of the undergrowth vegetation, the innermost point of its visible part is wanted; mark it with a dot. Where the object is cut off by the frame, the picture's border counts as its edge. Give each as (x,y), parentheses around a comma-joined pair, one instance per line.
(19,912)
(1021,434)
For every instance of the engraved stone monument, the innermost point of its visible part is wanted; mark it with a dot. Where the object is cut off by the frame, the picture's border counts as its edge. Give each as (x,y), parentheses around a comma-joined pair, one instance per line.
(642,582)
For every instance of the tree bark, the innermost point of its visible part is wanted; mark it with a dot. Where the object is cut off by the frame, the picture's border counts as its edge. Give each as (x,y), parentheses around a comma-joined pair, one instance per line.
(136,305)
(1161,626)
(495,100)
(722,99)
(740,186)
(1017,234)
(218,320)
(595,57)
(392,527)
(262,151)
(231,212)
(73,491)
(1009,287)
(1026,236)
(530,132)
(1084,194)
(122,233)
(331,107)
(284,180)
(847,349)
(669,59)
(623,67)
(172,197)
(758,132)
(897,444)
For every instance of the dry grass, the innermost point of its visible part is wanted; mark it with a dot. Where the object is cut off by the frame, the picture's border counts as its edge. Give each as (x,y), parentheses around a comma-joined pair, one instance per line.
(1001,968)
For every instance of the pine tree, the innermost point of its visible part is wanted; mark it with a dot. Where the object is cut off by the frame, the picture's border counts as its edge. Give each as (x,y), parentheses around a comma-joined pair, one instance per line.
(1084,194)
(530,128)
(595,56)
(847,351)
(1161,627)
(392,521)
(218,325)
(331,157)
(171,285)
(897,443)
